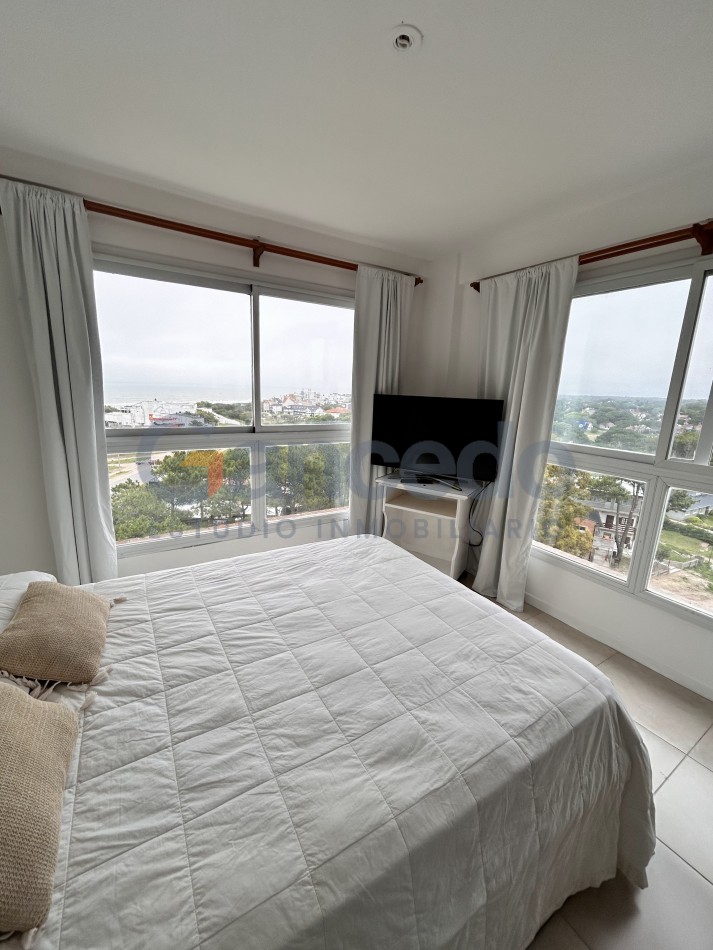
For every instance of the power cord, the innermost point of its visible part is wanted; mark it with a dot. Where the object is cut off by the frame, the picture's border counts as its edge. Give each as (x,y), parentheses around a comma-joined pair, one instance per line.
(470,517)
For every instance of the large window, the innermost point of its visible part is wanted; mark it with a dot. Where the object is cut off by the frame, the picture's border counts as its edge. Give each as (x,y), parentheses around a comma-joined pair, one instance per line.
(628,491)
(591,516)
(225,404)
(617,366)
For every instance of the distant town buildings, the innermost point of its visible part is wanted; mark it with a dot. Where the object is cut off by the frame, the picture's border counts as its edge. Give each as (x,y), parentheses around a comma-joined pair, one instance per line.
(602,525)
(289,407)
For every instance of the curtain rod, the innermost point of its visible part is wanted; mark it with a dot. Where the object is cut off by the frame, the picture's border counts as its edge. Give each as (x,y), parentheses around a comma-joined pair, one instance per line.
(701,232)
(168,224)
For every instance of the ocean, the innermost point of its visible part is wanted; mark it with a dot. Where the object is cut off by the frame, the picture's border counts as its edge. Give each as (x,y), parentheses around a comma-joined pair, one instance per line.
(116,394)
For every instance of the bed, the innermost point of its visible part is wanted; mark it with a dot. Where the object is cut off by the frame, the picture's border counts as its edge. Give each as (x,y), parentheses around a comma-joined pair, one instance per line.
(335,746)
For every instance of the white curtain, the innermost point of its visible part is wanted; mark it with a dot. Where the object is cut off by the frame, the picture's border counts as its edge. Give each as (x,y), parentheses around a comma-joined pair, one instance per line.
(383,302)
(51,265)
(525,318)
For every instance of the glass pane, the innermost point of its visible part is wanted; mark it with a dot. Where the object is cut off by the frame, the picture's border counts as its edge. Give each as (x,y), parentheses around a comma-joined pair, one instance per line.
(682,569)
(305,362)
(617,366)
(159,494)
(173,354)
(589,516)
(693,434)
(303,478)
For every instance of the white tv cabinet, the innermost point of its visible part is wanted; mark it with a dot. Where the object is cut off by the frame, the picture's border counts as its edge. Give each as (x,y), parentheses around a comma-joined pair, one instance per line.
(430,521)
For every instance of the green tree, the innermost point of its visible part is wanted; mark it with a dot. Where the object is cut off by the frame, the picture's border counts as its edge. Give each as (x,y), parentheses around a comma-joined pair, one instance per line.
(336,472)
(620,491)
(679,500)
(178,480)
(621,438)
(560,510)
(234,492)
(208,417)
(307,477)
(314,482)
(240,412)
(285,477)
(138,513)
(685,444)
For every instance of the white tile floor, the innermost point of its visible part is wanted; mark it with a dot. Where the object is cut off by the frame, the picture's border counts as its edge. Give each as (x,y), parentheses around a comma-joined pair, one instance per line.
(676,911)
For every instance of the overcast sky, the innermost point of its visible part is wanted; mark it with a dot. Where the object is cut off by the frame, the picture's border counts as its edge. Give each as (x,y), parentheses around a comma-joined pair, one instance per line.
(167,340)
(624,343)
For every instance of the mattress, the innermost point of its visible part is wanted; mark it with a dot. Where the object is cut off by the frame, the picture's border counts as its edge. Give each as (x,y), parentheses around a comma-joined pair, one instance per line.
(335,746)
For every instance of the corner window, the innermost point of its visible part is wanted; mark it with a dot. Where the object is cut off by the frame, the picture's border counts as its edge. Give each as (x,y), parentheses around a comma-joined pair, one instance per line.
(174,355)
(225,404)
(617,367)
(693,432)
(590,517)
(628,491)
(682,569)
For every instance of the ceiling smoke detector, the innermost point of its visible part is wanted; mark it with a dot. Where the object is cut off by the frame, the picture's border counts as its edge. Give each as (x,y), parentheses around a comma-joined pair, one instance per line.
(406,38)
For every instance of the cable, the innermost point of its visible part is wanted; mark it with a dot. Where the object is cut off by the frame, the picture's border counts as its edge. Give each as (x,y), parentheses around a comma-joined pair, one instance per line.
(470,517)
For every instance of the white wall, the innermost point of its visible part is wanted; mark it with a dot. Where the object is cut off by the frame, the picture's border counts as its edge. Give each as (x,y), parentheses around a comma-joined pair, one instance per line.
(24,539)
(680,649)
(438,359)
(439,348)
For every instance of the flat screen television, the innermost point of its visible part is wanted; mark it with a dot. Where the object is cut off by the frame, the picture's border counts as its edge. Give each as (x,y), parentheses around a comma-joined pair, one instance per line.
(437,436)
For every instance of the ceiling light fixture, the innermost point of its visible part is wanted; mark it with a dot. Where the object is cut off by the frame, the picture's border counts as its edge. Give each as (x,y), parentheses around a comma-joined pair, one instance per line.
(406,38)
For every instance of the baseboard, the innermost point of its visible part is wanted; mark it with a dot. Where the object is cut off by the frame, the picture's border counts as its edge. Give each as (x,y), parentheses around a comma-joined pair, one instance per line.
(605,636)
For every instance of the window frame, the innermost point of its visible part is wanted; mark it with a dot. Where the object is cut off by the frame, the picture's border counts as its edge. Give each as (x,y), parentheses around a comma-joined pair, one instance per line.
(657,472)
(256,437)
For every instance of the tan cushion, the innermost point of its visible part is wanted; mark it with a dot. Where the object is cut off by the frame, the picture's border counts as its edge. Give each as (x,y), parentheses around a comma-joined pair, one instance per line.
(36,742)
(57,633)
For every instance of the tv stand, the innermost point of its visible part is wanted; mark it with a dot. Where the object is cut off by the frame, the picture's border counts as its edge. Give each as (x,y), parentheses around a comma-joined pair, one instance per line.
(429,520)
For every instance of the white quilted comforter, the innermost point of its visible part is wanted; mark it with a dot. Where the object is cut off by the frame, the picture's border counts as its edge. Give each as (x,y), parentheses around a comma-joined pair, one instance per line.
(334,746)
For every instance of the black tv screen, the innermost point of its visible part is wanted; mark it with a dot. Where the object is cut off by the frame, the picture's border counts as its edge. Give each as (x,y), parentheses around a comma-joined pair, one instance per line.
(442,437)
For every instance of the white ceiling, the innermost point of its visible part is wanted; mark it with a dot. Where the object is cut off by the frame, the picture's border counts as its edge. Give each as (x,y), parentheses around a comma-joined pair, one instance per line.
(301,110)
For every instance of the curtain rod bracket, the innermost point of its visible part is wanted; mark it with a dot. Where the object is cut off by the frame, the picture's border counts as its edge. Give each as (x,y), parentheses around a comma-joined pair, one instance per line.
(703,233)
(258,251)
(257,246)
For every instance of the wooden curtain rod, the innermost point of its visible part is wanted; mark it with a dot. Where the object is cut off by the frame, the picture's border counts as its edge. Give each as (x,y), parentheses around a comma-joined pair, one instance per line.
(702,232)
(258,247)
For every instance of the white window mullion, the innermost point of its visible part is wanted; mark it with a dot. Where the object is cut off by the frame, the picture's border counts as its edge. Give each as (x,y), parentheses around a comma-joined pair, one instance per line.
(678,376)
(704,449)
(647,534)
(258,483)
(658,471)
(255,321)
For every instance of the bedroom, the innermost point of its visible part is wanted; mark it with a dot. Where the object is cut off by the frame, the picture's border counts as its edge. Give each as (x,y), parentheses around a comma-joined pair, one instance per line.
(453,144)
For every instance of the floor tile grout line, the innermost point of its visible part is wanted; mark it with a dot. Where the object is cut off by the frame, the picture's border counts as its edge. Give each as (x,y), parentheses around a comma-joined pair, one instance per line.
(576,932)
(685,754)
(698,762)
(686,862)
(668,741)
(698,742)
(580,633)
(616,653)
(671,774)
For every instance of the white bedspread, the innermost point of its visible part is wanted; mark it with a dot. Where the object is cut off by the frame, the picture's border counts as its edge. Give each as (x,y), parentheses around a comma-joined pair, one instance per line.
(334,746)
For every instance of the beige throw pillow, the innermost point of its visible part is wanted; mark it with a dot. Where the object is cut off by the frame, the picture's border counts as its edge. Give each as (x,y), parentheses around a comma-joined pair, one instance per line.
(57,633)
(36,742)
